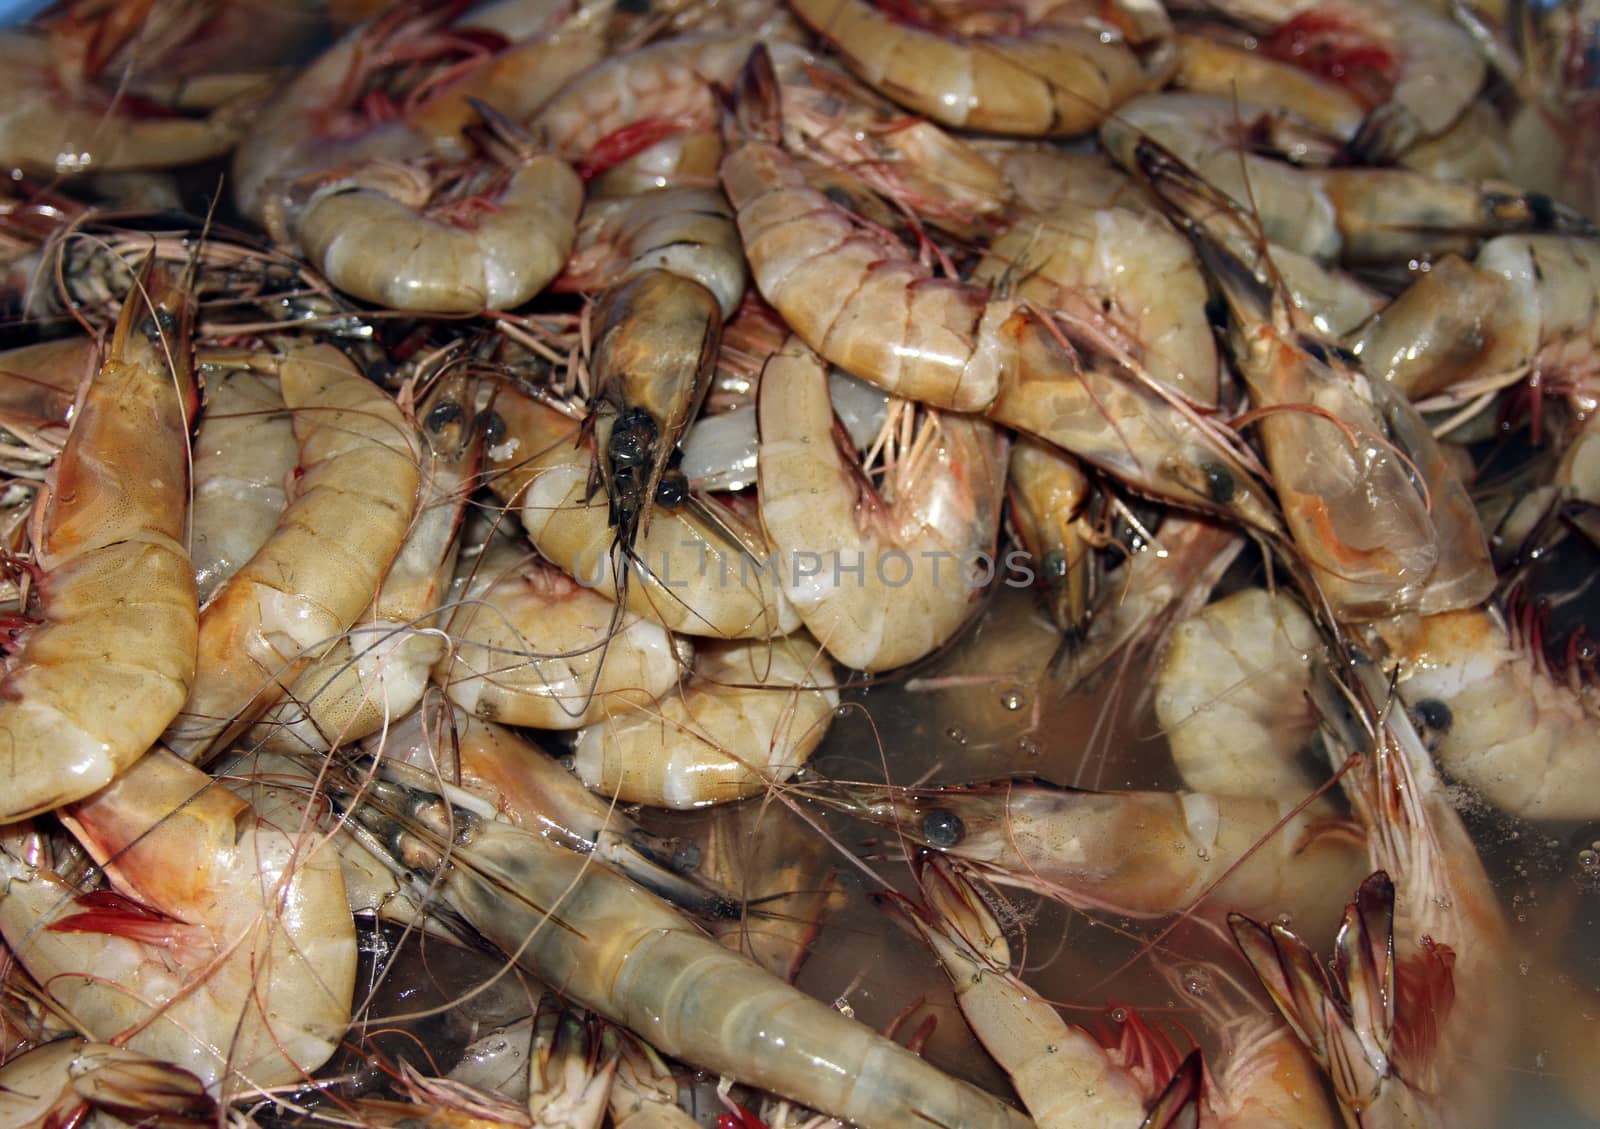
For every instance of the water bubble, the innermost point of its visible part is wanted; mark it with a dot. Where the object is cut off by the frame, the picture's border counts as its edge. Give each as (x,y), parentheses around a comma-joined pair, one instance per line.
(1013,699)
(1197,981)
(841,711)
(956,734)
(1119,1015)
(1028,747)
(1202,854)
(1589,862)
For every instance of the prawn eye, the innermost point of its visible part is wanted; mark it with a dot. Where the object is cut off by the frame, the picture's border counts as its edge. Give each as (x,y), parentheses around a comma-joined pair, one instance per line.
(942,828)
(1434,715)
(673,490)
(1054,565)
(1219,482)
(494,428)
(442,416)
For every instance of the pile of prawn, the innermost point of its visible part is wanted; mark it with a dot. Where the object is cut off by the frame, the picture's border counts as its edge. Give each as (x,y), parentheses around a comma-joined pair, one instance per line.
(470,474)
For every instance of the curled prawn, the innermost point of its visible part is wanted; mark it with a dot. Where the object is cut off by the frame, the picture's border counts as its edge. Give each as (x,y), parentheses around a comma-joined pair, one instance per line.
(748,716)
(224,946)
(1054,80)
(941,504)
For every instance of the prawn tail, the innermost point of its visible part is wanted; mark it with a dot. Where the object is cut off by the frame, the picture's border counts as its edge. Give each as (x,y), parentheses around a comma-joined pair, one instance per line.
(1348,1027)
(1178,1107)
(758,111)
(133,1088)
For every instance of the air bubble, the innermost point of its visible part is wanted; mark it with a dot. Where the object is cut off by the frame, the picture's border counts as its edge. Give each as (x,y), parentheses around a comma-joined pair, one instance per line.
(1013,700)
(1028,747)
(1197,982)
(1119,1015)
(842,1006)
(956,734)
(841,711)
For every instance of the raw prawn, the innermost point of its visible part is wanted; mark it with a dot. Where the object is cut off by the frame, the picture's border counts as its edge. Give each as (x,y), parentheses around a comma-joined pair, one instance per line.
(376,674)
(1349,215)
(941,504)
(355,499)
(747,717)
(1139,853)
(1054,80)
(1423,1005)
(695,576)
(531,646)
(110,656)
(630,959)
(1495,715)
(225,945)
(1065,1078)
(1231,696)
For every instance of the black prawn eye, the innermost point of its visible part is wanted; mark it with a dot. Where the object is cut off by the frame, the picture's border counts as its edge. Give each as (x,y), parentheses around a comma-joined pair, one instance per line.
(1434,715)
(672,491)
(442,416)
(1219,482)
(942,828)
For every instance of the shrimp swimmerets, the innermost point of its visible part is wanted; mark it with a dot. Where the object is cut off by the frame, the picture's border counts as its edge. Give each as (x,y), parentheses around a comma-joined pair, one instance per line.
(111,655)
(224,946)
(630,959)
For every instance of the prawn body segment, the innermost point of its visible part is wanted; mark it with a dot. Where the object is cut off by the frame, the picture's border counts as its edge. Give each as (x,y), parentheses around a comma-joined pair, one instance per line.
(113,654)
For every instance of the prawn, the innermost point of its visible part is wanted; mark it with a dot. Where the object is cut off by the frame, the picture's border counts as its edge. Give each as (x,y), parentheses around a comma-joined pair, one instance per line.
(941,502)
(1380,532)
(527,787)
(630,959)
(699,577)
(322,119)
(61,123)
(1144,854)
(1348,215)
(355,498)
(492,238)
(225,945)
(1231,696)
(110,655)
(1495,715)
(1055,80)
(1421,1000)
(1063,1075)
(378,671)
(748,716)
(523,649)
